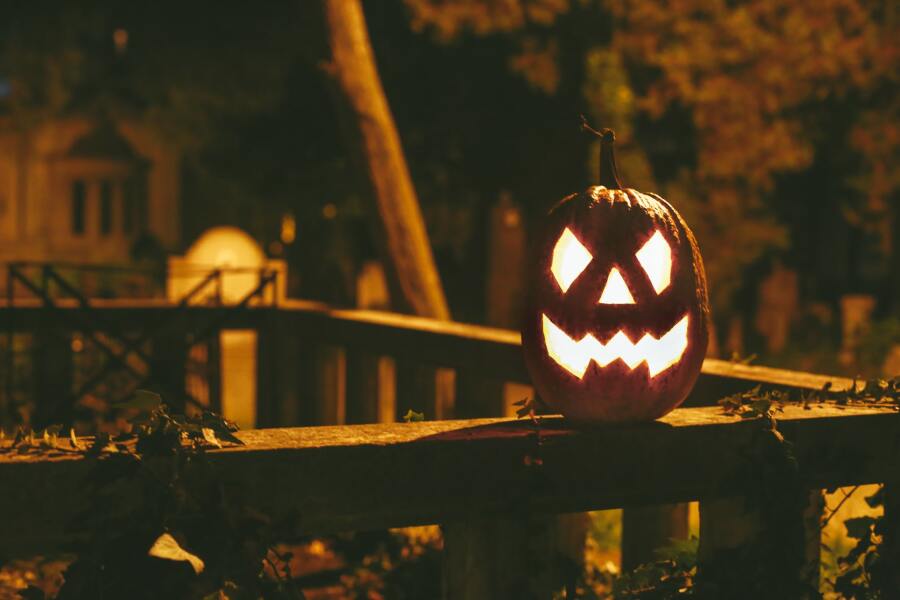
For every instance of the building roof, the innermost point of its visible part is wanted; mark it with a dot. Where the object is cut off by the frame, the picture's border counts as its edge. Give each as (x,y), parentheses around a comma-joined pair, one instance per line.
(104,142)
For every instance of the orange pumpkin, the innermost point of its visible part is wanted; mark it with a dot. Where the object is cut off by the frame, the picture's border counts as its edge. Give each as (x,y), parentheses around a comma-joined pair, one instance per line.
(617,318)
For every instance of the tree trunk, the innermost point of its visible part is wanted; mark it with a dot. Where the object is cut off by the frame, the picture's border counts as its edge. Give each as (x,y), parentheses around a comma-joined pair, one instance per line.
(370,130)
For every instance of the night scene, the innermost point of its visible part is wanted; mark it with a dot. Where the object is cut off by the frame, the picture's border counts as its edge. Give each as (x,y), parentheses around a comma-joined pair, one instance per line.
(450,300)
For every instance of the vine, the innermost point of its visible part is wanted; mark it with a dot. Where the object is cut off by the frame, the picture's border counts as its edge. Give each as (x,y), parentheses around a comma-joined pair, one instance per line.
(771,486)
(157,505)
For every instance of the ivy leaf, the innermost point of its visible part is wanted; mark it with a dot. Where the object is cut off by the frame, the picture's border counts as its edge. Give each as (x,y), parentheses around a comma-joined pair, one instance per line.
(412,416)
(167,548)
(526,407)
(221,426)
(682,553)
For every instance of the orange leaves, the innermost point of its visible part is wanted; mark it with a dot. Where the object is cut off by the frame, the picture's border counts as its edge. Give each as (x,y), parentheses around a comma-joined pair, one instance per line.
(746,70)
(450,18)
(536,62)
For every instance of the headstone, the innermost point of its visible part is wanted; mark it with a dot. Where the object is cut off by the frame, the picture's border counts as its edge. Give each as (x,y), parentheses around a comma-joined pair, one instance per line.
(856,313)
(778,295)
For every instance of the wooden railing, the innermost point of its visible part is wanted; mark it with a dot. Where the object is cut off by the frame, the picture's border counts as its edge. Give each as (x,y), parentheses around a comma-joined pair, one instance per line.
(472,477)
(475,477)
(297,338)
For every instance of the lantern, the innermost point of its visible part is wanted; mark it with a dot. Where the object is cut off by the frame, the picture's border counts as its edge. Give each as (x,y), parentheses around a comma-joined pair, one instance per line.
(616,324)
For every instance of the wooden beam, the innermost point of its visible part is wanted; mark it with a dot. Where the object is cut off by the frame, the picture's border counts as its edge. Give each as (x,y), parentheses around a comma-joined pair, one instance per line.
(390,475)
(487,351)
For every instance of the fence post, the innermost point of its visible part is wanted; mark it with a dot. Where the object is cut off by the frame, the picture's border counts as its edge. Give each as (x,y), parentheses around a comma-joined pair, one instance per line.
(168,364)
(371,388)
(277,378)
(478,397)
(509,556)
(424,389)
(778,548)
(646,528)
(52,360)
(330,385)
(890,552)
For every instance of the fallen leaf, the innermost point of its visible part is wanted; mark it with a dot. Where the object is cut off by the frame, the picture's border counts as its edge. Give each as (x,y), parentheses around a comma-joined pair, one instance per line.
(167,548)
(210,436)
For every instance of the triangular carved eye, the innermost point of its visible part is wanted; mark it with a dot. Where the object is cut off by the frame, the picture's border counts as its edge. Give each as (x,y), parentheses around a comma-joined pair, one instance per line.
(570,258)
(655,257)
(616,290)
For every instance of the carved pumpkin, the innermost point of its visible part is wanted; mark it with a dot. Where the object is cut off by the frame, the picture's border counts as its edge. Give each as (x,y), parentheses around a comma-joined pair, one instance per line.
(616,324)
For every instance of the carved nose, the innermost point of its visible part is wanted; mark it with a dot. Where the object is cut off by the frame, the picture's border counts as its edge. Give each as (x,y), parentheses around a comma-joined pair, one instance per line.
(616,290)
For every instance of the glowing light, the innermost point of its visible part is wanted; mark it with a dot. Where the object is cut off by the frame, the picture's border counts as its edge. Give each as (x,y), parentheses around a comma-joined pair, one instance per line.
(656,258)
(659,354)
(288,228)
(570,258)
(616,290)
(120,39)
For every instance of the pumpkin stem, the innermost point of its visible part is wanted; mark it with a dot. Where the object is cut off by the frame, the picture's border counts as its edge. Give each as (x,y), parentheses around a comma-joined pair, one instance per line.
(609,173)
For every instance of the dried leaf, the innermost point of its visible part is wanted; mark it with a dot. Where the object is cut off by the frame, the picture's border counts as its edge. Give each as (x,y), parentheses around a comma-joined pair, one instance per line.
(167,548)
(210,437)
(48,440)
(73,441)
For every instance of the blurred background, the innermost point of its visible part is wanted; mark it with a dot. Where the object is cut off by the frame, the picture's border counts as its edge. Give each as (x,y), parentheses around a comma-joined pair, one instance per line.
(128,131)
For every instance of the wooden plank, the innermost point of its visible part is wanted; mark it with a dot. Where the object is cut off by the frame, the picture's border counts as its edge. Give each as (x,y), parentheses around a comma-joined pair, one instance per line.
(376,476)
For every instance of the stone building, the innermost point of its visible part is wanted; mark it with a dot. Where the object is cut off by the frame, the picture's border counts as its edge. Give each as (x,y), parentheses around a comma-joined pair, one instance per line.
(83,191)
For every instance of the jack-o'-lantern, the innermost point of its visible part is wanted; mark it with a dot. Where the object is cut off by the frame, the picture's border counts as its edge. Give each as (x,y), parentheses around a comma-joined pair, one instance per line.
(617,317)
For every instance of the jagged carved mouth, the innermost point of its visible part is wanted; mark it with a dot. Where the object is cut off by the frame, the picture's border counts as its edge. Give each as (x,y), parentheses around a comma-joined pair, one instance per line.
(659,354)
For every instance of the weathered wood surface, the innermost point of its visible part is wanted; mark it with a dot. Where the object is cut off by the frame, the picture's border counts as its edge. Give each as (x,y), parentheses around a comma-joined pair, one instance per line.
(375,476)
(486,351)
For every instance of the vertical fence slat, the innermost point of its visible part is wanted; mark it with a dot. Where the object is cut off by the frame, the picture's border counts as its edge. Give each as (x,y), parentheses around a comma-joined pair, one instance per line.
(168,364)
(331,385)
(416,388)
(278,377)
(890,552)
(52,360)
(646,528)
(498,557)
(307,376)
(787,541)
(367,387)
(478,396)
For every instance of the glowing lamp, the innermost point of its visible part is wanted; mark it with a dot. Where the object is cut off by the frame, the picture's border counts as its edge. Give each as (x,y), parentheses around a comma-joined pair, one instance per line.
(617,317)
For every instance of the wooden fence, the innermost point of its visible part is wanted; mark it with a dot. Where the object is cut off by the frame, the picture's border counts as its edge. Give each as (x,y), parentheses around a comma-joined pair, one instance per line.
(471,476)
